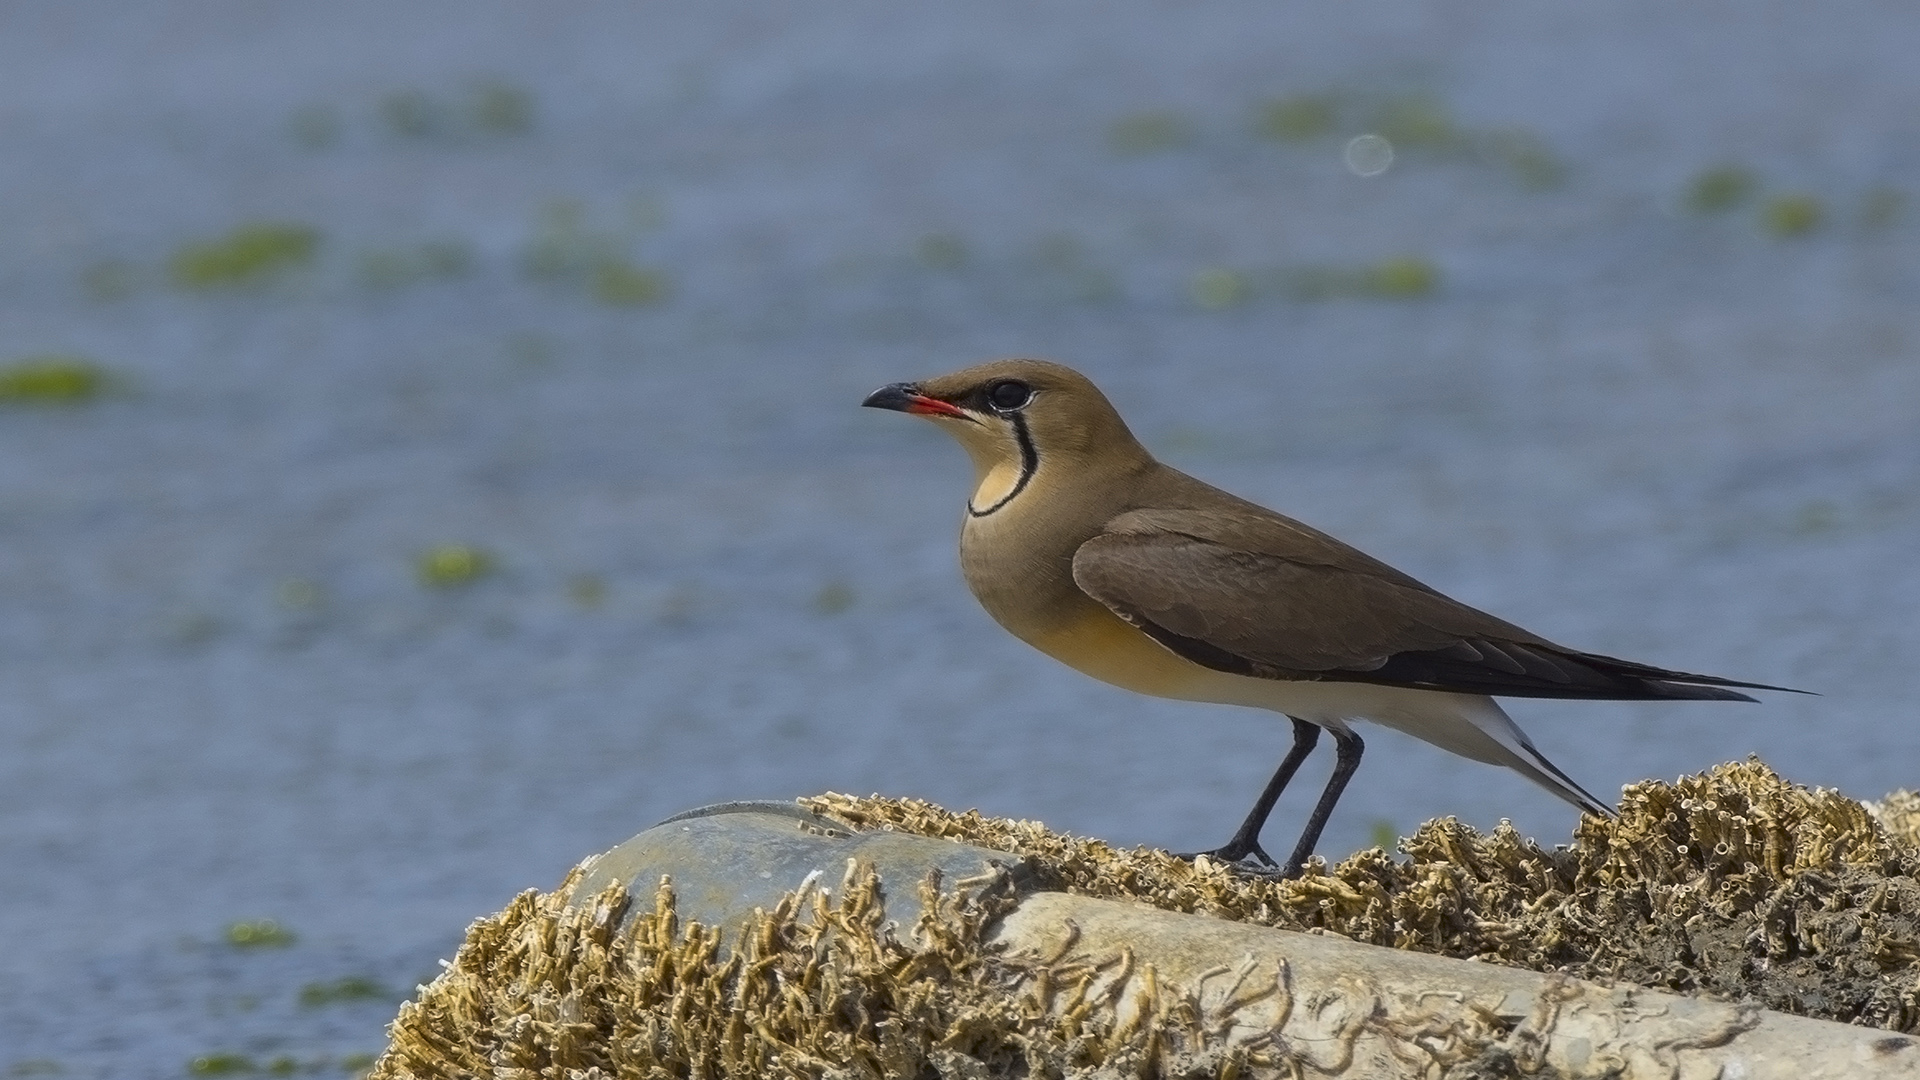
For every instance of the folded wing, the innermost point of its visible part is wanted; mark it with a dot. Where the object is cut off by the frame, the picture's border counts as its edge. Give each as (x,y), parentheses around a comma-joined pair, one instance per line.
(1271,598)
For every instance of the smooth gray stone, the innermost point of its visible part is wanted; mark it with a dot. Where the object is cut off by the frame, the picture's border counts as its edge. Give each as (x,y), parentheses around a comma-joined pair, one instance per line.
(728,859)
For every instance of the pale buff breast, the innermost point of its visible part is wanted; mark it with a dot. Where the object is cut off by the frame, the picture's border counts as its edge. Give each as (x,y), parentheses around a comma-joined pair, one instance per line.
(1019,564)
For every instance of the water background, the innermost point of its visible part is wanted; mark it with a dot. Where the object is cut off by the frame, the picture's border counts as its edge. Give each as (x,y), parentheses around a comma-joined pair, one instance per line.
(1683,437)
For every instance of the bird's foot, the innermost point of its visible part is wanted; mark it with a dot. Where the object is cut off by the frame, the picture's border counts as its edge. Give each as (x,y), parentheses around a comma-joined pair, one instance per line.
(1248,856)
(1251,860)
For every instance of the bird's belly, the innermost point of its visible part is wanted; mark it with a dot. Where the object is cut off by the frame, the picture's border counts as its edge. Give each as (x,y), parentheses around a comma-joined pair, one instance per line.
(1096,642)
(1099,643)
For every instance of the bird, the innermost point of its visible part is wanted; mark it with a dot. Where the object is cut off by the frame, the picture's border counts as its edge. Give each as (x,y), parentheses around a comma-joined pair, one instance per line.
(1081,544)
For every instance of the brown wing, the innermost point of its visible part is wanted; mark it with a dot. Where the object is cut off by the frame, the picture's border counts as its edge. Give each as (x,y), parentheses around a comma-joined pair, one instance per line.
(1269,597)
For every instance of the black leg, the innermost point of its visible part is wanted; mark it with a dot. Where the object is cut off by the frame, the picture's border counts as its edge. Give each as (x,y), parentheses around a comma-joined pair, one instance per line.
(1348,748)
(1246,841)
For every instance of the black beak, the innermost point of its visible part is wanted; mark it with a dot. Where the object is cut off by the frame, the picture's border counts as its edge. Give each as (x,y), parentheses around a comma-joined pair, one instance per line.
(896,396)
(907,398)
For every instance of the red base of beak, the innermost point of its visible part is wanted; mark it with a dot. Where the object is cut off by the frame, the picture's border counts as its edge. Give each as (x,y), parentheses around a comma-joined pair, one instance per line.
(904,397)
(920,405)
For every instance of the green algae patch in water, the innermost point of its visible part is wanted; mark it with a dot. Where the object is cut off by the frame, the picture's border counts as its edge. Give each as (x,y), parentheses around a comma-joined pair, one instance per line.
(566,249)
(314,127)
(251,255)
(1528,157)
(299,594)
(1788,216)
(448,566)
(223,1064)
(1882,207)
(1419,121)
(1297,118)
(51,380)
(411,114)
(618,283)
(588,591)
(235,1064)
(490,109)
(259,934)
(1217,289)
(1149,133)
(563,247)
(1402,277)
(352,988)
(1721,188)
(1383,834)
(393,268)
(833,598)
(1061,272)
(501,108)
(109,281)
(941,251)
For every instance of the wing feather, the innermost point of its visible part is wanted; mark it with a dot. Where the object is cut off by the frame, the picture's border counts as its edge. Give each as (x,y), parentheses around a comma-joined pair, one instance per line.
(1276,599)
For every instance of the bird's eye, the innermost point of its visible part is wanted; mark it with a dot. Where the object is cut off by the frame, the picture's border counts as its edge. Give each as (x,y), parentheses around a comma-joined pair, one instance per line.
(1009,395)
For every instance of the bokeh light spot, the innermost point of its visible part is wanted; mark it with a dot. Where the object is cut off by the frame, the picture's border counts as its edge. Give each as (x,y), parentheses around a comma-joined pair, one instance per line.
(1368,155)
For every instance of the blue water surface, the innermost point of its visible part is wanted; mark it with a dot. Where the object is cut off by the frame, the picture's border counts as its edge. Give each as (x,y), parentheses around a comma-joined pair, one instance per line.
(596,290)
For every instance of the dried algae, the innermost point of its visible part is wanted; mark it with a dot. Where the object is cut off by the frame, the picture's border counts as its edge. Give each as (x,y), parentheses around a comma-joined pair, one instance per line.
(1733,884)
(816,988)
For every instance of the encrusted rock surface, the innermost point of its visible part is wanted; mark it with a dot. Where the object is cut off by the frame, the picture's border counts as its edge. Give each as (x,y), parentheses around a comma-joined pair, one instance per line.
(1732,884)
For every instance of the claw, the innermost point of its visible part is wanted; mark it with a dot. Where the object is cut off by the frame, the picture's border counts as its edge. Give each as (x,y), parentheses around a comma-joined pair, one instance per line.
(1233,854)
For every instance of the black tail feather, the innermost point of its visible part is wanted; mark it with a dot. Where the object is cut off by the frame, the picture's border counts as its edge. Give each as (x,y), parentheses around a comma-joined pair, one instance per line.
(1680,684)
(1541,670)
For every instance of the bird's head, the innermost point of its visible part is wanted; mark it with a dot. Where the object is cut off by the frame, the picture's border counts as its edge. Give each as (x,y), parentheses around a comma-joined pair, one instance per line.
(1013,416)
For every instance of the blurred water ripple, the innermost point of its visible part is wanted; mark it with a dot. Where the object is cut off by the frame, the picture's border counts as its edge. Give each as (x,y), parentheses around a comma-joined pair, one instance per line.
(470,472)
